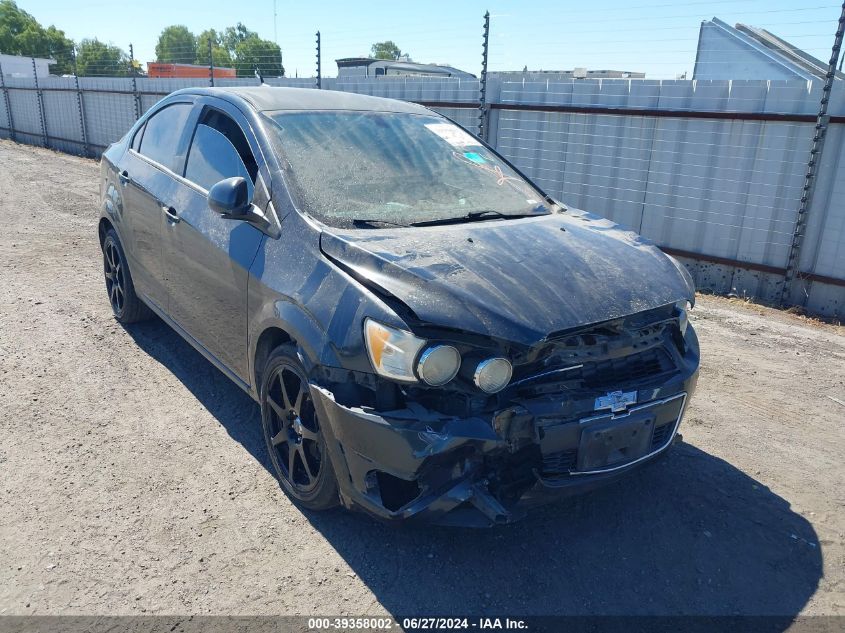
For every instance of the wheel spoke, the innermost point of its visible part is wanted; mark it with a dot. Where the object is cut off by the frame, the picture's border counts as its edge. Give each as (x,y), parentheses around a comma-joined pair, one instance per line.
(278,410)
(280,437)
(283,388)
(291,461)
(308,434)
(300,397)
(305,463)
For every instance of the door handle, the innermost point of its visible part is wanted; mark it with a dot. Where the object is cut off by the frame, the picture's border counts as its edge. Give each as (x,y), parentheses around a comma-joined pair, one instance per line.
(171,214)
(124,177)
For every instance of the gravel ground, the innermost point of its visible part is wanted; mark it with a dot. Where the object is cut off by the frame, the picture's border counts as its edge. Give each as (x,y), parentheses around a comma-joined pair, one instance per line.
(133,477)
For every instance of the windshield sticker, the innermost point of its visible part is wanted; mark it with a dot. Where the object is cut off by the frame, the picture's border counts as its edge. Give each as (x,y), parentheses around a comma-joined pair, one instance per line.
(476,158)
(453,135)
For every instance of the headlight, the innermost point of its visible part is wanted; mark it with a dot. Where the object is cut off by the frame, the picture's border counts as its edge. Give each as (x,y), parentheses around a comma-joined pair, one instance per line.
(492,375)
(392,352)
(439,364)
(682,309)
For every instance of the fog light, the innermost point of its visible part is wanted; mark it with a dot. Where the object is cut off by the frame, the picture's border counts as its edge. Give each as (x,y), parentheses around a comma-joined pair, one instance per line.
(493,374)
(438,365)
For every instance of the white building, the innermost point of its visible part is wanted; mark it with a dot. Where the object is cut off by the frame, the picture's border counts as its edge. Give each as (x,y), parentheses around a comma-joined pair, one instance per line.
(19,66)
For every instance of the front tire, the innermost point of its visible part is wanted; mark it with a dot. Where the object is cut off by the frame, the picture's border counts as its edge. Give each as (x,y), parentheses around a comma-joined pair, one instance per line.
(125,304)
(295,442)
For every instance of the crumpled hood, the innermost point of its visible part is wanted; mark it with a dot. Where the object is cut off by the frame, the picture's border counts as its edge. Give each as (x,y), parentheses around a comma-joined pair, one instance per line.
(514,280)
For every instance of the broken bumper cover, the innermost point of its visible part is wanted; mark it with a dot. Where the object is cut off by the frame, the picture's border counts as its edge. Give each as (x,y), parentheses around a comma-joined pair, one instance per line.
(417,464)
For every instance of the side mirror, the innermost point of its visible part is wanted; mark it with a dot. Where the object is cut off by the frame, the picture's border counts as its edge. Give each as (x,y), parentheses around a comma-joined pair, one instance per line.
(230,198)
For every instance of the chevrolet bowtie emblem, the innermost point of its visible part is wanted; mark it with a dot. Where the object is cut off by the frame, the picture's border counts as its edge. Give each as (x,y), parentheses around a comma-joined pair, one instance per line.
(616,401)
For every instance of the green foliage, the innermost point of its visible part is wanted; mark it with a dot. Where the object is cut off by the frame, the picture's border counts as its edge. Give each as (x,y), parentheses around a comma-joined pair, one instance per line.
(234,35)
(176,45)
(21,34)
(386,50)
(236,46)
(219,53)
(253,52)
(97,58)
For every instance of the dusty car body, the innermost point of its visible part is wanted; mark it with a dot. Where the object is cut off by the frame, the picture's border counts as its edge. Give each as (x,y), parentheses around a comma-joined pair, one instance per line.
(590,318)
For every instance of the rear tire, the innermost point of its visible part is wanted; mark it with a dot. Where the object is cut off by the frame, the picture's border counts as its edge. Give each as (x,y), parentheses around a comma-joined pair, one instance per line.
(125,304)
(293,434)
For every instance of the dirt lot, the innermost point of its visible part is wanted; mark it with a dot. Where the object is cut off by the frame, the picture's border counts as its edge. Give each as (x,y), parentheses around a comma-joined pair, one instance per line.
(133,477)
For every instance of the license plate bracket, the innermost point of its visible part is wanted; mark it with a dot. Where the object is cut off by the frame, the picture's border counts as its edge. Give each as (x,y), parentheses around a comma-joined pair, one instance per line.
(609,442)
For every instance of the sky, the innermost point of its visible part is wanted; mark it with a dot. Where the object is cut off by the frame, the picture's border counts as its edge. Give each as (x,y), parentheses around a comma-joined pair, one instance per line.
(657,37)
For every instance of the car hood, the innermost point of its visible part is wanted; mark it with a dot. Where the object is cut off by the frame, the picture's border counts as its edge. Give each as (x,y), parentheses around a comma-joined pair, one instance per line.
(514,280)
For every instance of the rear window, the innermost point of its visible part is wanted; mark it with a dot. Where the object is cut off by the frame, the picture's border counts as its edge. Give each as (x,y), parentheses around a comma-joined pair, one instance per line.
(162,134)
(395,168)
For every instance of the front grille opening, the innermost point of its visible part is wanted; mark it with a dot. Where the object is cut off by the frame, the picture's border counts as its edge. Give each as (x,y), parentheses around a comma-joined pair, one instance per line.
(606,375)
(628,369)
(396,492)
(564,462)
(661,435)
(559,463)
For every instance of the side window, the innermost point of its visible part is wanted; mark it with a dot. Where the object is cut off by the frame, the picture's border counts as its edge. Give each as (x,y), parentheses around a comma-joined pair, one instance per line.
(219,150)
(136,140)
(162,133)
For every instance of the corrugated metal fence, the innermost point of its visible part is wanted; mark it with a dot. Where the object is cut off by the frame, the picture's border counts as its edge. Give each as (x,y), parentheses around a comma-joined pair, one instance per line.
(711,171)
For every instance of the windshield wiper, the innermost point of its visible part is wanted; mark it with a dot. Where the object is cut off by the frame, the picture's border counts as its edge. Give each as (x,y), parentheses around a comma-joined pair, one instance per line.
(371,221)
(476,216)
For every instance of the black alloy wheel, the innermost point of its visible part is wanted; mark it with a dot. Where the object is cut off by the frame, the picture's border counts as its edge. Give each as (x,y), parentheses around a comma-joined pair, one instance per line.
(292,432)
(115,278)
(125,304)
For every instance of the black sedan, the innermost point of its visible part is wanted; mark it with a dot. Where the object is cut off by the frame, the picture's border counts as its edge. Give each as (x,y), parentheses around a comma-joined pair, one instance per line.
(428,334)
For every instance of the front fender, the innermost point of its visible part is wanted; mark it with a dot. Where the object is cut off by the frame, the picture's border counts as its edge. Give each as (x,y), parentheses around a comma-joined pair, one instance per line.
(300,326)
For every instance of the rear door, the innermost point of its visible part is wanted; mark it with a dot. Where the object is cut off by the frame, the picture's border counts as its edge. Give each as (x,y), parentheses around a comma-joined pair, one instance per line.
(207,257)
(147,172)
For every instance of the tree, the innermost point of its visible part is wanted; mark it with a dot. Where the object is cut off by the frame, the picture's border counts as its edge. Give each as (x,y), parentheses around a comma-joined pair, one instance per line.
(21,34)
(176,45)
(97,58)
(253,52)
(234,35)
(219,53)
(386,50)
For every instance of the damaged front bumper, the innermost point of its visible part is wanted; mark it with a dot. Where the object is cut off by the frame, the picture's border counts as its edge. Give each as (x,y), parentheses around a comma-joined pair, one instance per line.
(415,463)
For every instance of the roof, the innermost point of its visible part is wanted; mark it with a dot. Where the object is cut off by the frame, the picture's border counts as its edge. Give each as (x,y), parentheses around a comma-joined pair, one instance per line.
(49,60)
(267,98)
(776,57)
(792,53)
(400,65)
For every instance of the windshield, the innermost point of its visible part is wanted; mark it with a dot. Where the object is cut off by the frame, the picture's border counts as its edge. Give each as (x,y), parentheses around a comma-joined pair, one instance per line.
(378,168)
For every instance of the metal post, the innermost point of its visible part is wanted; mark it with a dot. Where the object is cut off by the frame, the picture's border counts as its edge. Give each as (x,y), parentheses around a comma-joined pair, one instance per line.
(80,106)
(40,97)
(822,123)
(483,111)
(134,83)
(319,74)
(210,65)
(8,105)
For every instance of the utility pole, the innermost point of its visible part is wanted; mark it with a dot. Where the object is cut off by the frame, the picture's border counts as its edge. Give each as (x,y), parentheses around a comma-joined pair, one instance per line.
(210,64)
(275,30)
(483,112)
(820,132)
(319,73)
